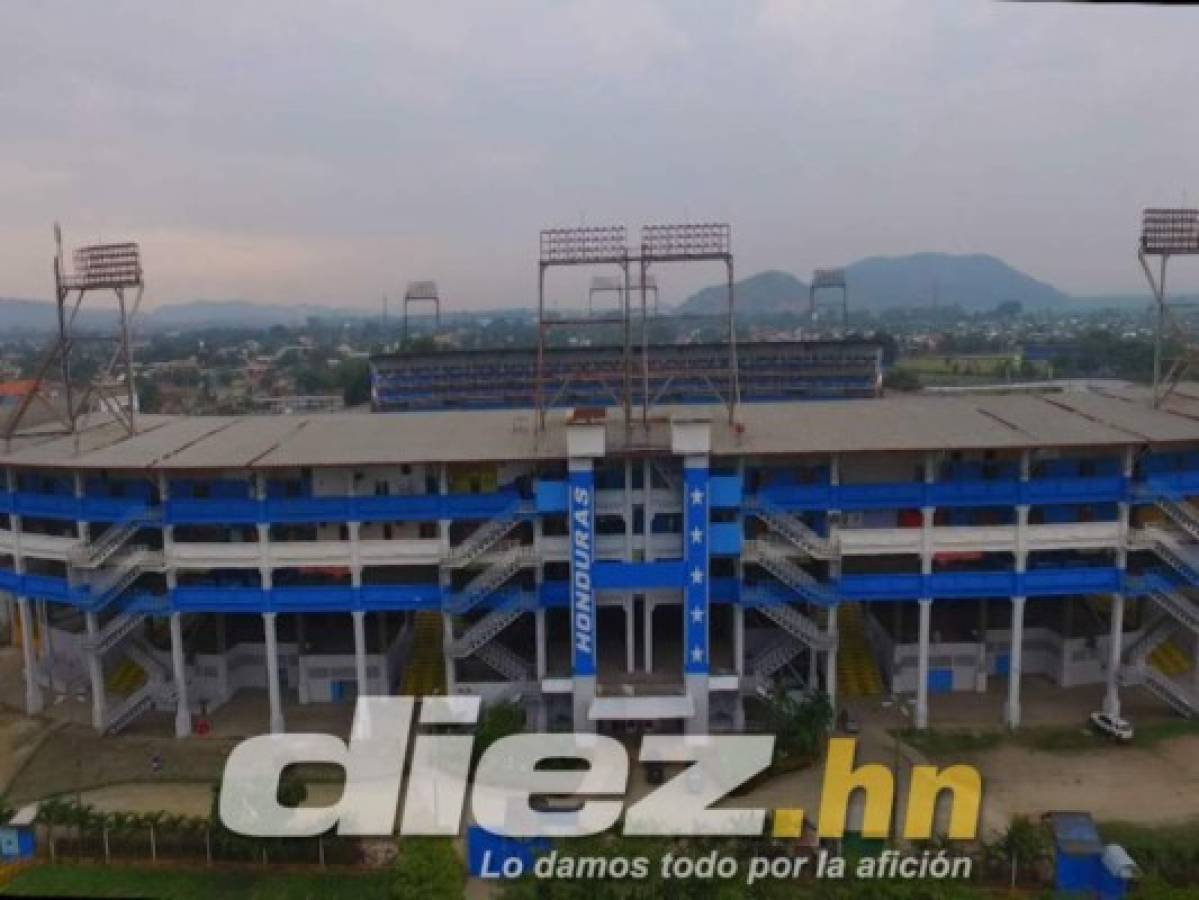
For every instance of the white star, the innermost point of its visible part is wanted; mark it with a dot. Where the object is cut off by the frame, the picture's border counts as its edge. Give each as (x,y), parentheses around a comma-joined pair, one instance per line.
(697,497)
(697,615)
(697,654)
(697,575)
(697,536)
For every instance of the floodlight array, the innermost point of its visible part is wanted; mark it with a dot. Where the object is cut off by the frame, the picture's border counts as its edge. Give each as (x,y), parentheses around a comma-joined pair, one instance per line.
(584,244)
(421,290)
(105,266)
(828,278)
(682,241)
(1170,231)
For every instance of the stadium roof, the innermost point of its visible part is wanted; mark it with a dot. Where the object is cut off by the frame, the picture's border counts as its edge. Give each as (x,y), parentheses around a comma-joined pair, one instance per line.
(1108,417)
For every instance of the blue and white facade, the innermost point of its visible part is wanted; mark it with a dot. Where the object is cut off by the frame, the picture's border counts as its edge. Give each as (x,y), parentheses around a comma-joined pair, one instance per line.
(605,575)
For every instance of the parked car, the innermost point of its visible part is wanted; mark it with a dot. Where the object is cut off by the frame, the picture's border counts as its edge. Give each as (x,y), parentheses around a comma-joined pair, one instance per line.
(1113,726)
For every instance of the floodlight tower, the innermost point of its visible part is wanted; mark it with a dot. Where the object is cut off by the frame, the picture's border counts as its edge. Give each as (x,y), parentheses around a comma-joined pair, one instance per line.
(829,279)
(602,284)
(96,267)
(583,246)
(1167,232)
(689,243)
(420,292)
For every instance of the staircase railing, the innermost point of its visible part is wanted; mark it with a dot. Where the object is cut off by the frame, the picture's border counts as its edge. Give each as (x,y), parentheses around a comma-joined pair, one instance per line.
(791,527)
(773,558)
(1179,699)
(95,552)
(487,535)
(505,661)
(775,656)
(1181,514)
(491,625)
(509,560)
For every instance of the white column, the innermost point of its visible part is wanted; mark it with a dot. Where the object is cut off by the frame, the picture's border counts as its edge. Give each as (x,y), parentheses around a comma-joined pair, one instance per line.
(447,638)
(359,617)
(739,639)
(830,672)
(926,615)
(539,637)
(630,634)
(95,671)
(649,635)
(33,692)
(272,672)
(1111,700)
(1016,663)
(302,695)
(183,714)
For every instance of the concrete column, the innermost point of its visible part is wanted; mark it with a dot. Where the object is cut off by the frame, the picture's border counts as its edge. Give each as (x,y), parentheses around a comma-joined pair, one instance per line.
(739,639)
(649,635)
(926,616)
(813,670)
(630,634)
(539,637)
(95,671)
(1111,699)
(980,670)
(183,715)
(272,672)
(830,672)
(447,638)
(1016,664)
(359,617)
(33,692)
(302,694)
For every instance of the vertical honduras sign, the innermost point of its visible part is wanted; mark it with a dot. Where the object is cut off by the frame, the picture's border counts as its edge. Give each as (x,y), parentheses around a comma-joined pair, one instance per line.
(582,555)
(695,570)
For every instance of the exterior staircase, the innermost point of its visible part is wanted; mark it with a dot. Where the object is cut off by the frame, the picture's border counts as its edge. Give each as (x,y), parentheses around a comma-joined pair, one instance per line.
(505,661)
(489,627)
(775,656)
(773,557)
(487,535)
(504,562)
(791,527)
(1182,514)
(157,692)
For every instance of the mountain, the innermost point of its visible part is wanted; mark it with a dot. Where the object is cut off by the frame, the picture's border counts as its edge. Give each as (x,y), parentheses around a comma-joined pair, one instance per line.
(770,291)
(973,282)
(20,316)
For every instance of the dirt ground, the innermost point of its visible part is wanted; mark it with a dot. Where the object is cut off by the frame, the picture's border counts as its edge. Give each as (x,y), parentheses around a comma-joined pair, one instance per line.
(56,753)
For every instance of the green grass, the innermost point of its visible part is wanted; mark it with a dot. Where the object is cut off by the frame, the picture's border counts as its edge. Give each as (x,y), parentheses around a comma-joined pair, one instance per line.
(195,884)
(938,744)
(945,744)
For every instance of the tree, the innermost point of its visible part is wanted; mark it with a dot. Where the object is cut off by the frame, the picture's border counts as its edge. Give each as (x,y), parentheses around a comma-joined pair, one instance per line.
(499,720)
(800,725)
(428,869)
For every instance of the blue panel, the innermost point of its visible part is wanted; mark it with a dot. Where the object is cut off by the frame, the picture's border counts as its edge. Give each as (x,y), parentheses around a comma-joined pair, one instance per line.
(309,509)
(400,596)
(882,587)
(940,681)
(1003,665)
(213,512)
(696,606)
(725,539)
(551,496)
(323,598)
(555,594)
(1110,489)
(904,494)
(972,584)
(47,506)
(582,554)
(478,506)
(801,497)
(9,580)
(1073,580)
(110,509)
(973,493)
(219,599)
(7,502)
(637,576)
(418,508)
(725,492)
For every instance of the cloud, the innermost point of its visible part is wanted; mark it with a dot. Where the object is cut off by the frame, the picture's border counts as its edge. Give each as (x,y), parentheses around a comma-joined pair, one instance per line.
(318,152)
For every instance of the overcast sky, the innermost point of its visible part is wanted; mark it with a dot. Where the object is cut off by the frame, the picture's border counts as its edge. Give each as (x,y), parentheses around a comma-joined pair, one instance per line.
(295,151)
